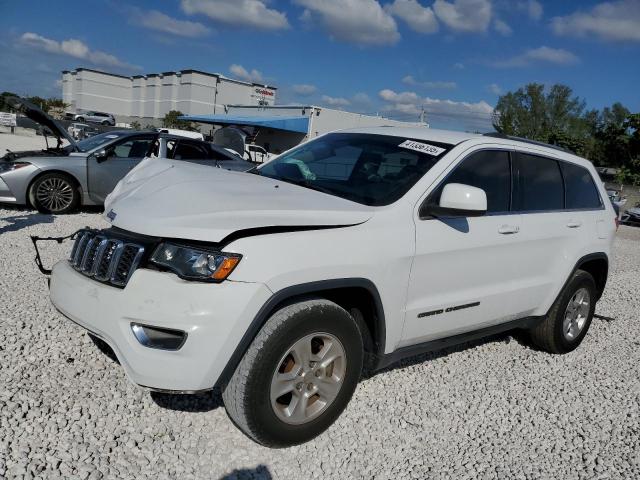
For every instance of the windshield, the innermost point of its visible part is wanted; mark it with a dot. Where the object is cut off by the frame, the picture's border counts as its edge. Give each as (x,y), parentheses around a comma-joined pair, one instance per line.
(370,169)
(96,141)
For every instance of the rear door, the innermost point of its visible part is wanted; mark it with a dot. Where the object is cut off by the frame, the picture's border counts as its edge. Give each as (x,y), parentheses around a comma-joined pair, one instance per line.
(551,232)
(466,272)
(104,173)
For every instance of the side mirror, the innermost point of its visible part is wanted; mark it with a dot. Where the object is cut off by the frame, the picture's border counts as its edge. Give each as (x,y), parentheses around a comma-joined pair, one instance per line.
(457,200)
(100,155)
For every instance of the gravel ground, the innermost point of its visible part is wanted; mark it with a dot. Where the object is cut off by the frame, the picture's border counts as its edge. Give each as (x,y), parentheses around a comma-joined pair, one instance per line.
(492,409)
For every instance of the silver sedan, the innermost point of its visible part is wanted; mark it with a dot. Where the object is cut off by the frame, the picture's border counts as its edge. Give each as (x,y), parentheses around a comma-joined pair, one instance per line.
(61,178)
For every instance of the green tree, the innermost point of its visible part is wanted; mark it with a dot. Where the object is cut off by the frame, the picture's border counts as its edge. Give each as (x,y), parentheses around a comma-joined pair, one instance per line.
(171,120)
(136,125)
(5,107)
(552,115)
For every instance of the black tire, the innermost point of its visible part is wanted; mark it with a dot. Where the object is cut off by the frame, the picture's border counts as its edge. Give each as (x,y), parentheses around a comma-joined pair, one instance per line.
(80,119)
(550,333)
(247,396)
(105,123)
(68,198)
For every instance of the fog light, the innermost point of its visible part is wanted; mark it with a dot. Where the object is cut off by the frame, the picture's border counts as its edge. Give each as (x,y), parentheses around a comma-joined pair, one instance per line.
(162,338)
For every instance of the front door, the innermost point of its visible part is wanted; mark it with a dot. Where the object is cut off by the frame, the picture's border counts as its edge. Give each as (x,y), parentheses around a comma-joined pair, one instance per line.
(466,273)
(104,173)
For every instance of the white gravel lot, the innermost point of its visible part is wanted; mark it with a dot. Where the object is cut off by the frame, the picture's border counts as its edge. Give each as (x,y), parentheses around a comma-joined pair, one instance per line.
(491,409)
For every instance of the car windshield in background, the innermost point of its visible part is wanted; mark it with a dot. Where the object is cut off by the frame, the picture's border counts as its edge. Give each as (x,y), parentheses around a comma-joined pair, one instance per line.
(96,141)
(374,170)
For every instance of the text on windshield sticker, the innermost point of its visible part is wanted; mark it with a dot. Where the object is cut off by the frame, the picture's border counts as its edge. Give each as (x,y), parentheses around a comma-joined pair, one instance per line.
(422,147)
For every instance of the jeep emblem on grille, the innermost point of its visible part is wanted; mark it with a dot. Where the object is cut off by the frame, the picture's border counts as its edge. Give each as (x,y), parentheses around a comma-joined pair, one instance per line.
(111,215)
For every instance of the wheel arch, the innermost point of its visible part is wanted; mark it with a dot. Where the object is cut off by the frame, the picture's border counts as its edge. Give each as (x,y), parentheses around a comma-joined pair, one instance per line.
(44,172)
(349,293)
(596,264)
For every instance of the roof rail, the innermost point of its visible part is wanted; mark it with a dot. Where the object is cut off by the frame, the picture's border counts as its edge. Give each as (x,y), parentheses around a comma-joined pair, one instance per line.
(526,140)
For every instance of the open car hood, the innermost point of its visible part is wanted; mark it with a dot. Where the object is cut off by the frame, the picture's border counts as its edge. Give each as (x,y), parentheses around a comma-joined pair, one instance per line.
(176,199)
(36,114)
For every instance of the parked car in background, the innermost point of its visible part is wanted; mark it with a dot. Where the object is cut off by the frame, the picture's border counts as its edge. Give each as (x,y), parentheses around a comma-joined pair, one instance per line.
(631,216)
(92,116)
(80,131)
(61,178)
(360,247)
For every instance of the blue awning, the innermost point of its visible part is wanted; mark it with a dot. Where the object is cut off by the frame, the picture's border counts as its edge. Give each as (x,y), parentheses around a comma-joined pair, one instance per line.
(296,124)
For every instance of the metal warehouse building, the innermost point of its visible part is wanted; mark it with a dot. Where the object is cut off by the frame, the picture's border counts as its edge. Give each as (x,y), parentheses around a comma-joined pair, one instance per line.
(150,97)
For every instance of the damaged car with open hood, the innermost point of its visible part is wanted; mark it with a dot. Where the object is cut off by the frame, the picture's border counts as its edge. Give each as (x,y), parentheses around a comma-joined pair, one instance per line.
(345,254)
(67,174)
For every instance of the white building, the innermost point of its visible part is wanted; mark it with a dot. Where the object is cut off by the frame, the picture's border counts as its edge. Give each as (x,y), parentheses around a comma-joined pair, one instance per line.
(151,96)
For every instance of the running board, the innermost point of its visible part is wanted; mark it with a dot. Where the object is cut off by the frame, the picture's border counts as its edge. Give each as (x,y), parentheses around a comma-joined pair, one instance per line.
(442,343)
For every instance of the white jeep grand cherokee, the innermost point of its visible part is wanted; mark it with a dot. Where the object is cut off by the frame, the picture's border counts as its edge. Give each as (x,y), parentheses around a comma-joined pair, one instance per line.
(346,253)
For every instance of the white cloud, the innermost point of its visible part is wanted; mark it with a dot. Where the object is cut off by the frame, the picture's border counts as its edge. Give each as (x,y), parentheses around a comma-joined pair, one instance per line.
(534,9)
(361,99)
(557,56)
(243,13)
(409,105)
(305,89)
(335,101)
(409,80)
(613,21)
(419,18)
(495,89)
(399,98)
(243,74)
(502,28)
(362,22)
(458,66)
(464,15)
(155,20)
(74,48)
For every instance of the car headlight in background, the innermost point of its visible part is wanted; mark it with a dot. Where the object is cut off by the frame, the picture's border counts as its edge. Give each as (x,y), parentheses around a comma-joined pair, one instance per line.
(10,166)
(194,263)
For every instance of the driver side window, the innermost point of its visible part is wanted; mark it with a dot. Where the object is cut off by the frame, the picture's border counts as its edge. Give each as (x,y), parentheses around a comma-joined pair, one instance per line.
(489,170)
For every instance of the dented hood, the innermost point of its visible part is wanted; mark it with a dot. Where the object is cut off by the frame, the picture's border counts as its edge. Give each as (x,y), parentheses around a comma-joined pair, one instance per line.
(174,199)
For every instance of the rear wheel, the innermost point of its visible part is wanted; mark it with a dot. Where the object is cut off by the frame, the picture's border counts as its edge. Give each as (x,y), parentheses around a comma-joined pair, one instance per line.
(80,119)
(105,123)
(570,316)
(54,193)
(298,374)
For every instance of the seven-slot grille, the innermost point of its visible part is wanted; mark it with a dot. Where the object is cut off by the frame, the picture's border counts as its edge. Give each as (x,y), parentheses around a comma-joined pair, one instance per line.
(105,259)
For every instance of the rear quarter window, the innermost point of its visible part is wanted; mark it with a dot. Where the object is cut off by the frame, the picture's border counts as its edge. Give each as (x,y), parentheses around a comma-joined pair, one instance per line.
(580,189)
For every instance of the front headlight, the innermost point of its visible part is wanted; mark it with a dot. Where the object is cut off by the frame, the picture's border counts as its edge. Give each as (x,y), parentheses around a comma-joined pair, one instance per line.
(195,263)
(9,166)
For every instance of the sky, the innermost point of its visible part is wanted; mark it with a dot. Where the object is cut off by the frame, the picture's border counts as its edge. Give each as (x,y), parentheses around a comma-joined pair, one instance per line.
(450,58)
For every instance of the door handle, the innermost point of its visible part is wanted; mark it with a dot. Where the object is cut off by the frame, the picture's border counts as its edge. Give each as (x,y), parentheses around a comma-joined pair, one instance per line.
(573,224)
(508,229)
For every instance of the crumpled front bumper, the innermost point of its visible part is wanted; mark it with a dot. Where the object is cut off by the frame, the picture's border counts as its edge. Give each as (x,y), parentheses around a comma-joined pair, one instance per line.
(215,316)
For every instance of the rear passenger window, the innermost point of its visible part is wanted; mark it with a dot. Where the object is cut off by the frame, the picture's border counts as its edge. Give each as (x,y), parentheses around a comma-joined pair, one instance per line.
(488,170)
(581,192)
(539,185)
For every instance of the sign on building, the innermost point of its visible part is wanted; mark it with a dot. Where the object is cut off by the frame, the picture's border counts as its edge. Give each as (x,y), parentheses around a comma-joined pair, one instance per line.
(7,119)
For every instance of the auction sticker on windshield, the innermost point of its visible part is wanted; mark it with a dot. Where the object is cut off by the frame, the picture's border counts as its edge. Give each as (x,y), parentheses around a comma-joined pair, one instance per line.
(422,147)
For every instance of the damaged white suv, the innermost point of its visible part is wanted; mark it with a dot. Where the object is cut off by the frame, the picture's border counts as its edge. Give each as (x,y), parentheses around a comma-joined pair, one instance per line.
(346,253)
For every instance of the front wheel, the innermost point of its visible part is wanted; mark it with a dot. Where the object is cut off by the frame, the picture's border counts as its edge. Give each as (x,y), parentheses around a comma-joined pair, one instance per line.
(106,123)
(54,193)
(298,374)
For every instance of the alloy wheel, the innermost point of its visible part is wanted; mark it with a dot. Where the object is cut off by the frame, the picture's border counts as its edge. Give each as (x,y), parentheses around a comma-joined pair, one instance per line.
(55,194)
(308,378)
(576,314)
